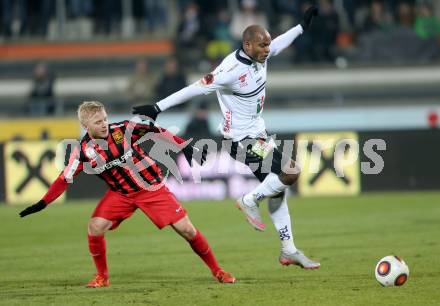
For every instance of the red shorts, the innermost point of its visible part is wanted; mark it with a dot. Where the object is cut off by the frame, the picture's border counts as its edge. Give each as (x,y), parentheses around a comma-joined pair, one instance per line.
(160,206)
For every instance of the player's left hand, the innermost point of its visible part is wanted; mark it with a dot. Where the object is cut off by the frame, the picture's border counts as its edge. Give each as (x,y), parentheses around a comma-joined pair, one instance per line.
(308,17)
(193,153)
(147,110)
(33,209)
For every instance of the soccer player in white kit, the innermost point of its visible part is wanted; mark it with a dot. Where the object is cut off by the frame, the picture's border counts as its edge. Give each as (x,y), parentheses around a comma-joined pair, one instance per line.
(239,82)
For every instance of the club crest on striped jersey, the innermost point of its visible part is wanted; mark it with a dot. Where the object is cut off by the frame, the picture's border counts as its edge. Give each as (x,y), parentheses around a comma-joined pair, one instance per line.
(118,136)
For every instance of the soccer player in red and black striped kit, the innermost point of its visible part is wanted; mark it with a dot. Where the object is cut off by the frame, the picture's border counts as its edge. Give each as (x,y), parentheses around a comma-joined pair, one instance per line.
(111,151)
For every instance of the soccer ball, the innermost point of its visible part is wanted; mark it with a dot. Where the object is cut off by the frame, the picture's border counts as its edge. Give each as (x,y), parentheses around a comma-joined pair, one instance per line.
(391,271)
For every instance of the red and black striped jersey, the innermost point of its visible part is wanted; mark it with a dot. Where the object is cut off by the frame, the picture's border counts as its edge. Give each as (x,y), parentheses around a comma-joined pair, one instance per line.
(119,159)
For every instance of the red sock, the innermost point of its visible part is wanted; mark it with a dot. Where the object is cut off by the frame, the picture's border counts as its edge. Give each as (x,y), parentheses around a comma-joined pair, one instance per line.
(201,247)
(97,250)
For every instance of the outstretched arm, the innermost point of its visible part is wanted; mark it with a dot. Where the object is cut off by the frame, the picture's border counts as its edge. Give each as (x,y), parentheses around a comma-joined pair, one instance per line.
(217,79)
(284,40)
(179,97)
(183,95)
(58,187)
(55,190)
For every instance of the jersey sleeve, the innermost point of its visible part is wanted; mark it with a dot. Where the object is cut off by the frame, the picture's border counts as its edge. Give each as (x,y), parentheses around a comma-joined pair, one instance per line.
(140,129)
(75,165)
(284,40)
(218,79)
(55,190)
(73,168)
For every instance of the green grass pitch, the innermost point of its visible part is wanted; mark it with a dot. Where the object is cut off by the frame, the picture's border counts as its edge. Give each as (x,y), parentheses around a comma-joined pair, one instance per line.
(44,257)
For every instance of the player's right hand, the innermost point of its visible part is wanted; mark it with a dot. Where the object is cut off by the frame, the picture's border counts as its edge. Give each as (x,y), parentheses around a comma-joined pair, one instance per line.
(33,209)
(147,110)
(308,17)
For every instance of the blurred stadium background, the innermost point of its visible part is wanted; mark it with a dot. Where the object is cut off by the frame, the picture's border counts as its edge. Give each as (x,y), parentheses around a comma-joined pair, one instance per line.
(366,68)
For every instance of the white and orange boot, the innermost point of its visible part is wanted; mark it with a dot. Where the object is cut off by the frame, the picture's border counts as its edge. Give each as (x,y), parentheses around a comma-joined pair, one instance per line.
(98,282)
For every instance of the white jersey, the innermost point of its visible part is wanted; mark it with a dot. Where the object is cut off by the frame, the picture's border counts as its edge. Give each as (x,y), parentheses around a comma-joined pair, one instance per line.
(240,85)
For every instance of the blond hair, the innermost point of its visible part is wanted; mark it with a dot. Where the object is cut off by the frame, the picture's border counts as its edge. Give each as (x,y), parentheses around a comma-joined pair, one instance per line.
(88,109)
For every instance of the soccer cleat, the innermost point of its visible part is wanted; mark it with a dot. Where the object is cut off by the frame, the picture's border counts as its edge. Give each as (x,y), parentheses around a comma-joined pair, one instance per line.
(98,281)
(299,259)
(224,277)
(252,212)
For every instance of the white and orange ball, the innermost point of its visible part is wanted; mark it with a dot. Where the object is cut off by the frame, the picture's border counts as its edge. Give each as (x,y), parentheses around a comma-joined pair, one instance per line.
(391,271)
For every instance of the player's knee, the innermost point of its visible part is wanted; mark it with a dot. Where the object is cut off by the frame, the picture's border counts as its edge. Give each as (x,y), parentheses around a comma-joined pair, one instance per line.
(290,174)
(94,228)
(185,228)
(189,232)
(288,179)
(98,226)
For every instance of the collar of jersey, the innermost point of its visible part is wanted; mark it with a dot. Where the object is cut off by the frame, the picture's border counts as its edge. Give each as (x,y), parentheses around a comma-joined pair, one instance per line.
(245,60)
(87,137)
